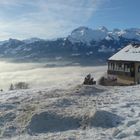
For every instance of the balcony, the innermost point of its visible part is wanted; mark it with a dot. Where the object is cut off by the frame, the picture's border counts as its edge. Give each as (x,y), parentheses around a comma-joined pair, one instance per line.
(122,73)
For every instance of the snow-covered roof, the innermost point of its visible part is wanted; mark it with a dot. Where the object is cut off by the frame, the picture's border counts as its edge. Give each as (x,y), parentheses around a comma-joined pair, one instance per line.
(128,53)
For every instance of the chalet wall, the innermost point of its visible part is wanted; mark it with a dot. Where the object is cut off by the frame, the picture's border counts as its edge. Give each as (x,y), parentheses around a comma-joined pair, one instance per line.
(125,80)
(137,73)
(126,72)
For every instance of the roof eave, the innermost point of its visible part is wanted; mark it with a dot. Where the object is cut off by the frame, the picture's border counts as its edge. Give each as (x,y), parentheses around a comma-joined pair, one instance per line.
(123,60)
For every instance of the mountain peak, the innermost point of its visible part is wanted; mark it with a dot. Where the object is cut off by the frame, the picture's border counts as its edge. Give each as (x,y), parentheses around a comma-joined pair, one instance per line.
(86,35)
(31,40)
(103,28)
(12,39)
(81,28)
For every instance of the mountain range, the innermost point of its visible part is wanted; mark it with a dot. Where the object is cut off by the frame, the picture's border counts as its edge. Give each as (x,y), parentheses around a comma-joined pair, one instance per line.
(82,43)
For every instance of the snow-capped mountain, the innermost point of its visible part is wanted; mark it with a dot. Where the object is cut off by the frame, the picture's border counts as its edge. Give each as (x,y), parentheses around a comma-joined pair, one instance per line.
(86,35)
(84,41)
(31,40)
(133,33)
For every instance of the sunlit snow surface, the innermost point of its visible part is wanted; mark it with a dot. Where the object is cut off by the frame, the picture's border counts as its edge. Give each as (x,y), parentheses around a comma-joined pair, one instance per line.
(70,111)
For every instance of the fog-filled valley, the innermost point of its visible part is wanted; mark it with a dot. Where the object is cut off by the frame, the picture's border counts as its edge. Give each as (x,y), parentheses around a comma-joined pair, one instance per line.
(44,74)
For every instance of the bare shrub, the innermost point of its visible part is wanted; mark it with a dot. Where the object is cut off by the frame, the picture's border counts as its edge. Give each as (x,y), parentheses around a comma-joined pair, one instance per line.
(19,85)
(11,87)
(102,81)
(89,80)
(109,81)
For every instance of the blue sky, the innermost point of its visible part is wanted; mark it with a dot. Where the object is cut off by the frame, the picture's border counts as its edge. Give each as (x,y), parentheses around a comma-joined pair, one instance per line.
(57,18)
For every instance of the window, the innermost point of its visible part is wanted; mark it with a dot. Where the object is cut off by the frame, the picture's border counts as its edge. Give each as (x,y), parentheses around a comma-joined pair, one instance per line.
(138,68)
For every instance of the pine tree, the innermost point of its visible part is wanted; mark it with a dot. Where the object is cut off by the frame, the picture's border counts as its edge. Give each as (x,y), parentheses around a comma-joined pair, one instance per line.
(11,87)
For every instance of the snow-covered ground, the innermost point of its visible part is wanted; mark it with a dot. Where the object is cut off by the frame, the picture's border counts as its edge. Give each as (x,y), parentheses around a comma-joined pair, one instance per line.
(79,113)
(70,111)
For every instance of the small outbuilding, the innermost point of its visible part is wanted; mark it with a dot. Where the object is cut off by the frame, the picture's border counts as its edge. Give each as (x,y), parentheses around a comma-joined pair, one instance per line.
(125,65)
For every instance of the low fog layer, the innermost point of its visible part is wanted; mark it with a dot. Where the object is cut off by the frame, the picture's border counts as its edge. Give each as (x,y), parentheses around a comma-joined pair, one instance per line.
(37,75)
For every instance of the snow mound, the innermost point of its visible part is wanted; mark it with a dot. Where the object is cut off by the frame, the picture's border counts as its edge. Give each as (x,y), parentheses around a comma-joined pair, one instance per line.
(105,119)
(51,122)
(88,90)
